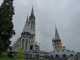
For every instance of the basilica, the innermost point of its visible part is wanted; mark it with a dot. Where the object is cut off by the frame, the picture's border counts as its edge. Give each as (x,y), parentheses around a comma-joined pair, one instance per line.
(27,39)
(27,42)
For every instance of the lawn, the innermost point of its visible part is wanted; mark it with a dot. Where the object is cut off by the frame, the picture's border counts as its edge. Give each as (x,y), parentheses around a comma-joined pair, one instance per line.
(4,57)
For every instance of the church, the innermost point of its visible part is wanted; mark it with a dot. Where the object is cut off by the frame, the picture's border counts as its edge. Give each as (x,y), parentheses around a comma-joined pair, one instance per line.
(27,39)
(27,42)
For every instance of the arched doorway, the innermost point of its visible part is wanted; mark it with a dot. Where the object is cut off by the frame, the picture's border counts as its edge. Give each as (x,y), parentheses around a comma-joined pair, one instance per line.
(31,47)
(37,56)
(57,56)
(71,55)
(64,55)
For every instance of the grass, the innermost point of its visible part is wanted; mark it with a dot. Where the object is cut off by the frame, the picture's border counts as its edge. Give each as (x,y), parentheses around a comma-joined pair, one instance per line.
(4,57)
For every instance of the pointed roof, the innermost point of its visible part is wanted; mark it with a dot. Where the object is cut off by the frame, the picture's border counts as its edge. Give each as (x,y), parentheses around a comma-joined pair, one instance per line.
(53,38)
(32,12)
(27,19)
(56,34)
(26,27)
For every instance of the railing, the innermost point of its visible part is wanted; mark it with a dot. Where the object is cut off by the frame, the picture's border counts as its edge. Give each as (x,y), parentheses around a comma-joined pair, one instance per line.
(71,58)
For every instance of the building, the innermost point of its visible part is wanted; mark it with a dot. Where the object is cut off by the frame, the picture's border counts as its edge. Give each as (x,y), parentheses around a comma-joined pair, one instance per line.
(27,39)
(57,44)
(27,42)
(59,50)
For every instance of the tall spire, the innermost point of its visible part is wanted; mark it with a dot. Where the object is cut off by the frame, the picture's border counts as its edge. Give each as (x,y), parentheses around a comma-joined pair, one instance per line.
(27,19)
(56,33)
(32,14)
(26,27)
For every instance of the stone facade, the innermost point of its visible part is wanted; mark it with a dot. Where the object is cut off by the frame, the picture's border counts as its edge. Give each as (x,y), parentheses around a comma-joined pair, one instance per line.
(60,51)
(27,39)
(27,43)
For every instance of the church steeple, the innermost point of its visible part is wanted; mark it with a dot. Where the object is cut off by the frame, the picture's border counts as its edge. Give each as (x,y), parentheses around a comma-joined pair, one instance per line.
(26,27)
(32,16)
(57,38)
(27,19)
(56,33)
(32,12)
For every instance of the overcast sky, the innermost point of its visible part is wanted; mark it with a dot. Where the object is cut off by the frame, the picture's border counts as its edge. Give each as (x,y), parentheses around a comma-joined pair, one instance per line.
(64,13)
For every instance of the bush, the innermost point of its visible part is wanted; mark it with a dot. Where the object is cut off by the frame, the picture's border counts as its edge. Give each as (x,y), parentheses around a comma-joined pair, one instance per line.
(20,55)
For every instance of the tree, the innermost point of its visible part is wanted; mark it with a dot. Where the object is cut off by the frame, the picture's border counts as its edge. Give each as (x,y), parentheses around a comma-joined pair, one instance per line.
(10,48)
(6,24)
(1,46)
(20,55)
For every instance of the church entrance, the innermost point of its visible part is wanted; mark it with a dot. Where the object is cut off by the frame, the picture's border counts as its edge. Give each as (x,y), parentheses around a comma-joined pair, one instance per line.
(31,47)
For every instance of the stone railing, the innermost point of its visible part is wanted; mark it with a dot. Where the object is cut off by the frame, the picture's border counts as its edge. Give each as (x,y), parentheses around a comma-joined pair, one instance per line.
(71,58)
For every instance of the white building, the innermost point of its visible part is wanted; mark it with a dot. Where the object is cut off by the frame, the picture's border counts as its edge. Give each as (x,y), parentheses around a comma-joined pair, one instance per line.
(27,41)
(59,50)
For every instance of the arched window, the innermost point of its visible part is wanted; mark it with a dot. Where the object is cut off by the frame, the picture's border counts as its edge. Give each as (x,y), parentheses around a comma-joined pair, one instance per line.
(57,50)
(57,56)
(64,55)
(68,50)
(76,55)
(45,56)
(22,43)
(71,55)
(51,56)
(26,44)
(62,50)
(31,47)
(33,25)
(37,55)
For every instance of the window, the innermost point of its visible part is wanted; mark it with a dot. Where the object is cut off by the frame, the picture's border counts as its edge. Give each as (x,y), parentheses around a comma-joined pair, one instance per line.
(31,47)
(22,43)
(68,50)
(63,50)
(26,44)
(57,56)
(58,45)
(31,25)
(72,50)
(57,51)
(64,55)
(71,55)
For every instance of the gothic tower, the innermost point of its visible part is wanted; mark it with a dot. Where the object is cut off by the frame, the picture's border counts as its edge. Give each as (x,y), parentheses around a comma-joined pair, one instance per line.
(32,29)
(56,40)
(28,34)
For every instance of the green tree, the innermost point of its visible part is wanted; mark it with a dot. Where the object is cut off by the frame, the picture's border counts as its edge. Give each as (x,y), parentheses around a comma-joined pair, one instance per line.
(6,24)
(20,55)
(1,46)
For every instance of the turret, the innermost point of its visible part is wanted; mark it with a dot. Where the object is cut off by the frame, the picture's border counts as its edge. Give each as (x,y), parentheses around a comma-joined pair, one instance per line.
(54,44)
(57,45)
(26,30)
(32,16)
(32,29)
(56,40)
